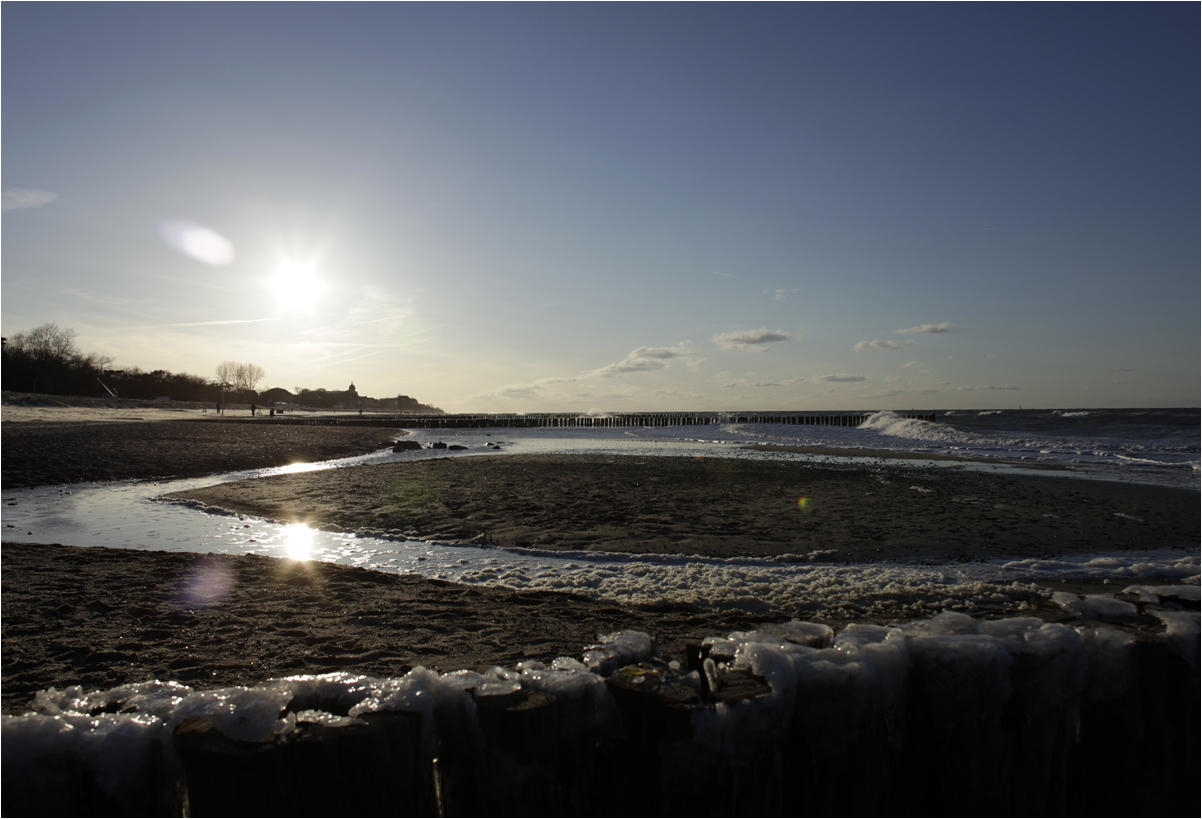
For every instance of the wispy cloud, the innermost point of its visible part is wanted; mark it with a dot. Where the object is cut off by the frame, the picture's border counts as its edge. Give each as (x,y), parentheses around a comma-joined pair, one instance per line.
(1006,387)
(630,365)
(782,293)
(727,275)
(840,377)
(510,393)
(664,392)
(378,317)
(755,341)
(679,351)
(945,327)
(199,323)
(893,393)
(19,198)
(644,359)
(881,345)
(140,305)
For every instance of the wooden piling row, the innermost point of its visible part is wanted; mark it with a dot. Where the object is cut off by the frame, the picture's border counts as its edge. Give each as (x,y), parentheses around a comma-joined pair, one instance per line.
(649,742)
(622,419)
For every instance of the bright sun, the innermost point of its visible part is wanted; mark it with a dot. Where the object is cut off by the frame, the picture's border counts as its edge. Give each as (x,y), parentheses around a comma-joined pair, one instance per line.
(296,286)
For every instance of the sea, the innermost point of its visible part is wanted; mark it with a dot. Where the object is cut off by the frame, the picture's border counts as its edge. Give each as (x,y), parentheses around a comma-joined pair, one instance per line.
(1145,446)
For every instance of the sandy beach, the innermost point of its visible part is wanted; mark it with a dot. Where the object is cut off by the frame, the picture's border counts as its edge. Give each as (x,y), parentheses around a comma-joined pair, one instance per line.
(103,617)
(47,453)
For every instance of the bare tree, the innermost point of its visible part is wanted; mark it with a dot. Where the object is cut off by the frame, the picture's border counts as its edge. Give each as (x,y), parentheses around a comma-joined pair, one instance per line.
(238,376)
(227,374)
(252,374)
(48,356)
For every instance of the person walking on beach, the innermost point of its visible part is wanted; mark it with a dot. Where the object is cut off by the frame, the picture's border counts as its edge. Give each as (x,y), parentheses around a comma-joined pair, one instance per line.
(252,410)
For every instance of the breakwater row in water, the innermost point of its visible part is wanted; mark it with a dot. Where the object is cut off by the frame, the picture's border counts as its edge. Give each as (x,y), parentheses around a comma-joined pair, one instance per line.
(563,419)
(1096,715)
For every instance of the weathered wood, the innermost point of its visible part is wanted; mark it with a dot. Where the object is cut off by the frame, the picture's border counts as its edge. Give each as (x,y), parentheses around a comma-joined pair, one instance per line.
(370,769)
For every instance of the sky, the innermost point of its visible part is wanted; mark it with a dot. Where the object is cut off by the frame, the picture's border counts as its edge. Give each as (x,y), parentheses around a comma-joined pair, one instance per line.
(616,207)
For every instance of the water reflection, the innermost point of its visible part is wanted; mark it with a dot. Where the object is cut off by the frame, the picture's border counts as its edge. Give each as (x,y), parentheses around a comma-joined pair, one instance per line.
(297,541)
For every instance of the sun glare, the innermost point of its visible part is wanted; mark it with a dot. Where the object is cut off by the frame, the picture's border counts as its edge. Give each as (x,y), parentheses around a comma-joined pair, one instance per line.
(296,286)
(297,541)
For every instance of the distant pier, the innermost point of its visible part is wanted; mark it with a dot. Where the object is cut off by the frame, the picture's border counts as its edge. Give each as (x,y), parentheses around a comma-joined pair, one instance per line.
(565,419)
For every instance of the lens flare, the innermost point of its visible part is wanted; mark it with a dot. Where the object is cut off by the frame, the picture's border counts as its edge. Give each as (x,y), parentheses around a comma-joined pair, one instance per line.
(207,584)
(197,241)
(803,503)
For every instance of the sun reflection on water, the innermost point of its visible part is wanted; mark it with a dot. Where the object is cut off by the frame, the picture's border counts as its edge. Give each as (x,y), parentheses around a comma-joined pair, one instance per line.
(297,540)
(292,469)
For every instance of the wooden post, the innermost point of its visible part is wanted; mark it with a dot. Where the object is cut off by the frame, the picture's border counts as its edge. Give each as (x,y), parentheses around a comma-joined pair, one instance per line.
(363,770)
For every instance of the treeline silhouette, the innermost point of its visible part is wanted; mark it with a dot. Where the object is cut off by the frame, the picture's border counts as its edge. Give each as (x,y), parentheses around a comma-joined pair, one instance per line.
(47,360)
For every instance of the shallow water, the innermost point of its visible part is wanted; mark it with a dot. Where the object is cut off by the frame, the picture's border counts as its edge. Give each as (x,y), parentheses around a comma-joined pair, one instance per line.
(134,515)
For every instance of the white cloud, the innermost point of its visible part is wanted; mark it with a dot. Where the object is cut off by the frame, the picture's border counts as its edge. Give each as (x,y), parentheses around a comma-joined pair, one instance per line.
(840,377)
(1006,387)
(630,365)
(681,350)
(881,345)
(751,340)
(763,384)
(19,198)
(911,364)
(554,380)
(644,359)
(945,327)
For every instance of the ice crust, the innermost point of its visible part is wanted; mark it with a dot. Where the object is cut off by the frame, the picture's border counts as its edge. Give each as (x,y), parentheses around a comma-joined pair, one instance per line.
(832,693)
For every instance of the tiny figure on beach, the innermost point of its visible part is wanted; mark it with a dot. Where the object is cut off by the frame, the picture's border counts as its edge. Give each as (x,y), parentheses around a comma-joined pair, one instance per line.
(252,410)
(272,412)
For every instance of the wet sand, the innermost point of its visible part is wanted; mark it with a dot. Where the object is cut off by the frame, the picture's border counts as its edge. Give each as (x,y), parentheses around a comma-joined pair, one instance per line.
(47,453)
(103,617)
(724,507)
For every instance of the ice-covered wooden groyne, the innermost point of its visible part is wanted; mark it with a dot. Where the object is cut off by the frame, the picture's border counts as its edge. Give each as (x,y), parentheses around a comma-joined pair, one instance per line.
(1095,715)
(566,419)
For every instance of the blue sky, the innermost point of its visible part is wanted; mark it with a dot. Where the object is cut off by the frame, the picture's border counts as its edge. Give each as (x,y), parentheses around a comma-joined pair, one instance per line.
(496,207)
